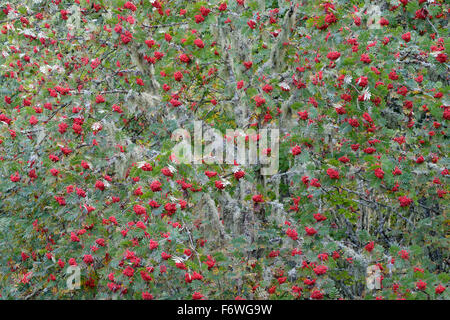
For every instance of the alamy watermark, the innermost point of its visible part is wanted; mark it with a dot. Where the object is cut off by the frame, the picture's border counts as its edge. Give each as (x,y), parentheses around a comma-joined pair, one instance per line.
(373,277)
(73,281)
(236,147)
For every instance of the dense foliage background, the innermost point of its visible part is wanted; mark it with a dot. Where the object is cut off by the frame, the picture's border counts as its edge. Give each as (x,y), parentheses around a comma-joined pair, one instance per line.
(91,91)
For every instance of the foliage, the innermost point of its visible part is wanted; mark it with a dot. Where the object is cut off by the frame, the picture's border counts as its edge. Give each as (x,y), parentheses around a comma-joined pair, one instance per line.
(93,89)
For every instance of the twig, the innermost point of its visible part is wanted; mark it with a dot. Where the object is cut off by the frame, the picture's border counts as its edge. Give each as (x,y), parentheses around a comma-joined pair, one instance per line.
(165,25)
